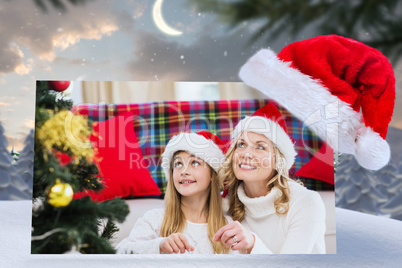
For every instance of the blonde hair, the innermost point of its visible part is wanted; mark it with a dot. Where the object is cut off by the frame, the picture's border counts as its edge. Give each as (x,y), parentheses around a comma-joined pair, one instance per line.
(231,183)
(174,220)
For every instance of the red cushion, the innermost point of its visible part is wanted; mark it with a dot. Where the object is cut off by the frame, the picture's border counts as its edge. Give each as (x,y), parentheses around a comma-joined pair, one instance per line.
(120,160)
(320,166)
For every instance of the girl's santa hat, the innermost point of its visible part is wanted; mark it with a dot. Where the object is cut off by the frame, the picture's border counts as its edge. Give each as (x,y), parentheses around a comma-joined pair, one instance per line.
(203,144)
(269,122)
(325,81)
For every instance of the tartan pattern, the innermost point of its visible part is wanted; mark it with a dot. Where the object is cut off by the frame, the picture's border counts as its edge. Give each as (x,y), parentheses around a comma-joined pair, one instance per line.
(156,122)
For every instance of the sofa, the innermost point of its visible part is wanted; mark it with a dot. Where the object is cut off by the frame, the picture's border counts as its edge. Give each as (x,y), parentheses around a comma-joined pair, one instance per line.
(130,139)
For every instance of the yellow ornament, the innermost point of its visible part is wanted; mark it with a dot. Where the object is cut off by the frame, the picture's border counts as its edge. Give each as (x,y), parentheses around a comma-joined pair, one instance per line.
(60,194)
(65,132)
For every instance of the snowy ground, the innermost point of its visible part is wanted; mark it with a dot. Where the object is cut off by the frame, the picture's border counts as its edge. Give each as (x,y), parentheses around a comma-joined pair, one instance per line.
(362,241)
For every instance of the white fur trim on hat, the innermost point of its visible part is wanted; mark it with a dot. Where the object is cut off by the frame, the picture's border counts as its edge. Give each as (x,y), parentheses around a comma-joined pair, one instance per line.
(370,145)
(331,119)
(273,131)
(196,145)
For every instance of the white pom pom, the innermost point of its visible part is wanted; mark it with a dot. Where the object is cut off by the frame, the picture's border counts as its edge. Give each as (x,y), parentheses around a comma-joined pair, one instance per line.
(372,151)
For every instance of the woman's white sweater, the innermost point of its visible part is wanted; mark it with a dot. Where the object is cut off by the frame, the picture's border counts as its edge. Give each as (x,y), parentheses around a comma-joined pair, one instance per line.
(300,231)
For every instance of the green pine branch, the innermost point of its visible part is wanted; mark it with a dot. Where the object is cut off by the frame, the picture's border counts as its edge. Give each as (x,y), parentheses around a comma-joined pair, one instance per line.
(79,226)
(375,23)
(58,5)
(49,99)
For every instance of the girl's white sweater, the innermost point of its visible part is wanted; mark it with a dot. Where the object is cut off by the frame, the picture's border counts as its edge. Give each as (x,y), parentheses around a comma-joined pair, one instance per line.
(145,236)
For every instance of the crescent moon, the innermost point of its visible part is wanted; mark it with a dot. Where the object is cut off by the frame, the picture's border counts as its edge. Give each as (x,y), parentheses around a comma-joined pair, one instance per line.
(160,22)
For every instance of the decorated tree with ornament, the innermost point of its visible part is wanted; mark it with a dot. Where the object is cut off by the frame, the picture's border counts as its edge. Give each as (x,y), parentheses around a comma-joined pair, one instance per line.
(64,164)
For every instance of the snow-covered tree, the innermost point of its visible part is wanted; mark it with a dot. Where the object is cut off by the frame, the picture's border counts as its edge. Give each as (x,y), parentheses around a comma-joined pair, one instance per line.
(12,186)
(24,164)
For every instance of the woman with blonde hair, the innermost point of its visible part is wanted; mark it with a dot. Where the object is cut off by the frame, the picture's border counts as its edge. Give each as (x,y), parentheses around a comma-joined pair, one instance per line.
(260,195)
(193,204)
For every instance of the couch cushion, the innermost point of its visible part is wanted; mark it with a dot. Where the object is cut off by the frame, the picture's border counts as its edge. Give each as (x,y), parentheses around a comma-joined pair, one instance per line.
(120,160)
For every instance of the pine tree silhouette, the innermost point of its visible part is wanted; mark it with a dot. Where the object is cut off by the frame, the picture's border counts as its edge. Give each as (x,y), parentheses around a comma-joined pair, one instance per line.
(12,186)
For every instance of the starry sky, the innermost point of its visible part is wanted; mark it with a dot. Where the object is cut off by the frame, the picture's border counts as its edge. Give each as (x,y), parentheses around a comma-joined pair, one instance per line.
(118,40)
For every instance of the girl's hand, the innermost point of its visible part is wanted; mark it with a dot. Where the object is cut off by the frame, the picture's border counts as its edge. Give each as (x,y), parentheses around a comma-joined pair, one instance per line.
(175,243)
(237,237)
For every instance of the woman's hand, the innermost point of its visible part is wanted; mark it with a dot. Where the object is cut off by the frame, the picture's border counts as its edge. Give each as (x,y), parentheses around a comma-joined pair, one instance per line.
(175,243)
(237,237)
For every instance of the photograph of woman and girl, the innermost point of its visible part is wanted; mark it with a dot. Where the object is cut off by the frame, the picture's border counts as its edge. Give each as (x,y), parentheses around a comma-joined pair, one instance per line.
(262,209)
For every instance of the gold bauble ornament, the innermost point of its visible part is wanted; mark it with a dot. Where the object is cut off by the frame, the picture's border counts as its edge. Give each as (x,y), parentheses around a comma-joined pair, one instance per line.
(60,194)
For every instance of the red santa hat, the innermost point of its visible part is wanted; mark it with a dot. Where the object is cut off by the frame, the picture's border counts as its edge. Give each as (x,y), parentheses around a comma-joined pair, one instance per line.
(269,121)
(203,144)
(325,81)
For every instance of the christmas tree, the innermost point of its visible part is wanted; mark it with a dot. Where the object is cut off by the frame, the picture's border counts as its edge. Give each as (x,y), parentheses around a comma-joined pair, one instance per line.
(63,165)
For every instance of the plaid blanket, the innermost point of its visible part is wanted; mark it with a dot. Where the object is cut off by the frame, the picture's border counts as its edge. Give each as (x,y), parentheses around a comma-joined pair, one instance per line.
(156,122)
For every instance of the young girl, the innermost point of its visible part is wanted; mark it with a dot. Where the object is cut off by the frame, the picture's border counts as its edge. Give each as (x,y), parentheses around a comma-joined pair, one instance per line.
(193,206)
(286,216)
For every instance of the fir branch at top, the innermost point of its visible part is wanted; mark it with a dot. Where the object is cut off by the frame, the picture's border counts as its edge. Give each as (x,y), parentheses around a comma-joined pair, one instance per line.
(375,23)
(49,99)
